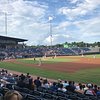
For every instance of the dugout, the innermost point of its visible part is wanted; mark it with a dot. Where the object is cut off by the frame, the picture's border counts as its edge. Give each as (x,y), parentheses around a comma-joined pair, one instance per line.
(11,42)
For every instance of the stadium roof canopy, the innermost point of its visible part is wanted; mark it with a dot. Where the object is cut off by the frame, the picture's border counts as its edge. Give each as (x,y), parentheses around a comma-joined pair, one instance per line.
(11,38)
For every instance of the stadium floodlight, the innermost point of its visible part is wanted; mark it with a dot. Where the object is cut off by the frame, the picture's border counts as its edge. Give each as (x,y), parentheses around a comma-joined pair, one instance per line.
(6,23)
(5,19)
(50,21)
(6,15)
(5,12)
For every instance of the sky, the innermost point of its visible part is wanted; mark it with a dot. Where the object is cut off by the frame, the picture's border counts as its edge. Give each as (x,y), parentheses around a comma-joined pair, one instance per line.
(71,20)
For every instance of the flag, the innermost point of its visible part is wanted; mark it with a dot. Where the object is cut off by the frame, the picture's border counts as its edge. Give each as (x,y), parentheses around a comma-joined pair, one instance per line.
(50,18)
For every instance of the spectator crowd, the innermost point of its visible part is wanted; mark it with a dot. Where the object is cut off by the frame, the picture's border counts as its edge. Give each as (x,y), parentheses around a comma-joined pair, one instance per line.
(29,52)
(26,87)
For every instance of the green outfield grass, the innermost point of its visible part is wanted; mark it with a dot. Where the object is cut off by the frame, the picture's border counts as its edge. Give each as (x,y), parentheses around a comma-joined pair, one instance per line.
(46,60)
(85,76)
(91,56)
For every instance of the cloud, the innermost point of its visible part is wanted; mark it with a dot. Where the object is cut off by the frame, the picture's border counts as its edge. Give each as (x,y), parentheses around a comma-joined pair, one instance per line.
(81,9)
(73,1)
(57,38)
(85,31)
(21,15)
(88,29)
(63,25)
(29,19)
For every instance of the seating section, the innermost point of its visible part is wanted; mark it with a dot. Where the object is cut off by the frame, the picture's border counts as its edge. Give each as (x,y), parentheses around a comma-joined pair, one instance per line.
(39,51)
(42,89)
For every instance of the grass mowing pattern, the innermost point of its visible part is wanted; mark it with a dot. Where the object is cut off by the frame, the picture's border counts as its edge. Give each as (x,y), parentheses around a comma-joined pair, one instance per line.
(85,76)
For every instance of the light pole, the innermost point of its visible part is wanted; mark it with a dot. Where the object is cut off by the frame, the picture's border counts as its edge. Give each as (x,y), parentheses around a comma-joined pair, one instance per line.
(4,13)
(6,24)
(5,16)
(50,22)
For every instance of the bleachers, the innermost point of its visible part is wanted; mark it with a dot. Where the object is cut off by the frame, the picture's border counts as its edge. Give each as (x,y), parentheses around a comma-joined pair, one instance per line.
(46,94)
(41,51)
(43,92)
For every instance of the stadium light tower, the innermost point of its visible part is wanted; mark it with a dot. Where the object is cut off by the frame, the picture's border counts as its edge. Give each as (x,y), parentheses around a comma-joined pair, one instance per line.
(50,21)
(6,17)
(4,12)
(6,30)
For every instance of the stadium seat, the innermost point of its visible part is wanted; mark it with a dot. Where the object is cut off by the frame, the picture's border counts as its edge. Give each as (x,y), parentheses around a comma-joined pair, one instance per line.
(1,96)
(37,93)
(31,97)
(48,96)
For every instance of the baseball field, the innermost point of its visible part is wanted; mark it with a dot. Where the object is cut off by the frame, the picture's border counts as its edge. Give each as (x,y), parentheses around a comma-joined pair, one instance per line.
(77,68)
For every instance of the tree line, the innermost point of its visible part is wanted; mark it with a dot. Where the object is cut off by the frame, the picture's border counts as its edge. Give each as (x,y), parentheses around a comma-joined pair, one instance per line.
(72,44)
